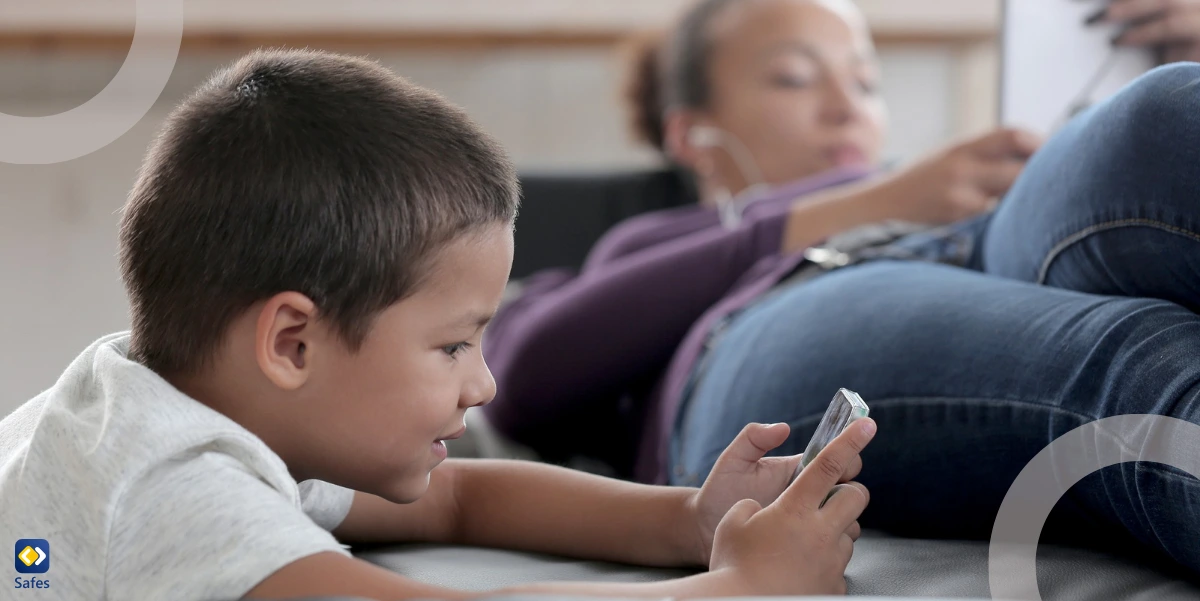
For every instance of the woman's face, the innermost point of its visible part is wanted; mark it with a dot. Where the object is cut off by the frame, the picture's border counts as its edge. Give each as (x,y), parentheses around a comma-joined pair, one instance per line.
(795,81)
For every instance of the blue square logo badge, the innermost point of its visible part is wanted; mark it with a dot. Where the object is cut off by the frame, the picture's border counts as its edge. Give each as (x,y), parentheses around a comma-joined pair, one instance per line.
(32,556)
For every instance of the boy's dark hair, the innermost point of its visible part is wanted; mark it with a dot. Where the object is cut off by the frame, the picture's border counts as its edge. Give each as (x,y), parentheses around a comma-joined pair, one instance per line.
(298,171)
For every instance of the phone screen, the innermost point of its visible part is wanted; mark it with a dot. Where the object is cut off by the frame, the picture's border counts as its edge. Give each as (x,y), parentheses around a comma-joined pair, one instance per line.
(846,407)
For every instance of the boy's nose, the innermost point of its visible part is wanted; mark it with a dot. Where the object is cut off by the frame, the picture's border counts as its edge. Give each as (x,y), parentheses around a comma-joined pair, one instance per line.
(479,391)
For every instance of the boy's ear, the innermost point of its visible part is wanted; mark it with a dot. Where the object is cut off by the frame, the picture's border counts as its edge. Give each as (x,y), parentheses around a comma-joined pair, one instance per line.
(283,339)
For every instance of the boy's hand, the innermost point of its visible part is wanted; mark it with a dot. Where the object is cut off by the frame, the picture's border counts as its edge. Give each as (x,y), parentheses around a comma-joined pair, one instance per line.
(742,472)
(796,545)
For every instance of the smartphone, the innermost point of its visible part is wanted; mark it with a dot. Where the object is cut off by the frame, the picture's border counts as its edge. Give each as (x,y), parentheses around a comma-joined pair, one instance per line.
(845,408)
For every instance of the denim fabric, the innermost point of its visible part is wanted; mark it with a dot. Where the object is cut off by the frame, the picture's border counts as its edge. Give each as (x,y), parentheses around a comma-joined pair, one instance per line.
(1076,303)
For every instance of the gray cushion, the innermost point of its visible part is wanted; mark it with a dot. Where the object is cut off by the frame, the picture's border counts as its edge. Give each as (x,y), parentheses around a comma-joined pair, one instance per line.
(882,566)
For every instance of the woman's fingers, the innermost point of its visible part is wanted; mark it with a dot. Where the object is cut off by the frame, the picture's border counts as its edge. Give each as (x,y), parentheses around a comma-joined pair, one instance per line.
(1174,28)
(1127,11)
(1004,143)
(1155,22)
(996,177)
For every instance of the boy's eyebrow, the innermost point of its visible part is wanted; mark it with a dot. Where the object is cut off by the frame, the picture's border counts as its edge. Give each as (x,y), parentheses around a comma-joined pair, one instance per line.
(478,320)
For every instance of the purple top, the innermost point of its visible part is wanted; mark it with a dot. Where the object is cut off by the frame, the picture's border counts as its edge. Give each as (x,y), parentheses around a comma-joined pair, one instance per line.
(639,310)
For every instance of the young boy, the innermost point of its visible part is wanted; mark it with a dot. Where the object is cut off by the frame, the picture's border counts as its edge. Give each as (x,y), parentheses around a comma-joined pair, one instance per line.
(311,252)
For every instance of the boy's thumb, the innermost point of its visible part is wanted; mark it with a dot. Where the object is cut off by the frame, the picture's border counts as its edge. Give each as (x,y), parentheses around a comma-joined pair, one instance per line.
(742,511)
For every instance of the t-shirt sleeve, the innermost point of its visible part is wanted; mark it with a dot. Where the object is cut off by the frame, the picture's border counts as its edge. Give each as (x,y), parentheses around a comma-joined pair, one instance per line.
(327,504)
(205,528)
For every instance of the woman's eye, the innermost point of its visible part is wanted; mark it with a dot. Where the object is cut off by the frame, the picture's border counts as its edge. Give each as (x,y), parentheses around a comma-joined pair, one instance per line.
(454,350)
(868,86)
(791,81)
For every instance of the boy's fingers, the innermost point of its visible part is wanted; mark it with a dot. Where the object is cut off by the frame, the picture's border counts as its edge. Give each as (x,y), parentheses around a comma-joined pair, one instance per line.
(854,531)
(853,469)
(847,503)
(755,441)
(825,471)
(742,511)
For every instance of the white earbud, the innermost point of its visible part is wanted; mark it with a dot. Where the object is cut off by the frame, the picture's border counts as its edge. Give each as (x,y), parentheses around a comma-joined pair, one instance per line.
(704,136)
(730,208)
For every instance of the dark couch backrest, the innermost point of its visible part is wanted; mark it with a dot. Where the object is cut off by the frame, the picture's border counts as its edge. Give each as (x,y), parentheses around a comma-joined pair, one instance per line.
(563,215)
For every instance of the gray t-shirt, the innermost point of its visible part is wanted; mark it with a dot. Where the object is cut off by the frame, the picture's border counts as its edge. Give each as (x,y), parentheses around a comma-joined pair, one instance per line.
(141,492)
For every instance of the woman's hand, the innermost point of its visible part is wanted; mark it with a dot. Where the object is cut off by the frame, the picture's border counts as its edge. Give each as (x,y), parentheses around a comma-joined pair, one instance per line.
(958,182)
(797,545)
(743,472)
(953,184)
(1170,25)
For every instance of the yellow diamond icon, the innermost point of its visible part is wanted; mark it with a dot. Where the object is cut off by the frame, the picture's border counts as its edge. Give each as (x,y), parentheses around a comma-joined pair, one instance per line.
(27,556)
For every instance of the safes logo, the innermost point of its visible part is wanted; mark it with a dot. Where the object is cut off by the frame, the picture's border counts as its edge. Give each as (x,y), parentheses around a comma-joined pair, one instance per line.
(32,556)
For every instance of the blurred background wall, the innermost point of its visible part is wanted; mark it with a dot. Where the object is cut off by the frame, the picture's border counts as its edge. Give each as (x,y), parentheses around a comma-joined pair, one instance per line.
(544,76)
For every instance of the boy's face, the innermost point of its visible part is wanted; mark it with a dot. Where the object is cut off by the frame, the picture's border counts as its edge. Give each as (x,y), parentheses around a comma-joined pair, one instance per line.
(379,415)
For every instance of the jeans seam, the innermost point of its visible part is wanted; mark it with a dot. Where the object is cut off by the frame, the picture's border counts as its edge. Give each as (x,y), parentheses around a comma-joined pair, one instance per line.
(1081,235)
(1160,471)
(997,401)
(1083,418)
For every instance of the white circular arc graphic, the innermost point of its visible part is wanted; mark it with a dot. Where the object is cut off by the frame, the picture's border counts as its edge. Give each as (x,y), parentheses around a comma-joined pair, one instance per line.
(158,33)
(1012,555)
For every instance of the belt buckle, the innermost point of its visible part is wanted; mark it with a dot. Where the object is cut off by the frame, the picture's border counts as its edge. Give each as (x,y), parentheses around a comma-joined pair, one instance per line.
(827,258)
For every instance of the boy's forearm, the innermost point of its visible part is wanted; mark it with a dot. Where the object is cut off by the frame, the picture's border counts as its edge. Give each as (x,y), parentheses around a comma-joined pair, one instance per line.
(542,508)
(704,585)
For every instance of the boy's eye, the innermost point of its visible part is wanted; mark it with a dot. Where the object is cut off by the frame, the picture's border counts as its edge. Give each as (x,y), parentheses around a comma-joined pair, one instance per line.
(455,349)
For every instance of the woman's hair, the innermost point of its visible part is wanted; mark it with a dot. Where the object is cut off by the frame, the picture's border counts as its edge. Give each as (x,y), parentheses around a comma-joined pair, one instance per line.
(672,70)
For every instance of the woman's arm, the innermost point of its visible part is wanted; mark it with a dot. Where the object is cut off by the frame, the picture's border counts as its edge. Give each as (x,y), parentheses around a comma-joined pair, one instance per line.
(575,340)
(955,183)
(589,337)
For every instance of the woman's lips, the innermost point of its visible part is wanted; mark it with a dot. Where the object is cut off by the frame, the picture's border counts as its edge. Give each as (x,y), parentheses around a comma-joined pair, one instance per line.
(846,155)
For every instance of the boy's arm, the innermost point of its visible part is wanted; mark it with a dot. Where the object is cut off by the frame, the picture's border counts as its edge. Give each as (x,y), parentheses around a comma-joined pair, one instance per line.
(794,546)
(333,574)
(542,508)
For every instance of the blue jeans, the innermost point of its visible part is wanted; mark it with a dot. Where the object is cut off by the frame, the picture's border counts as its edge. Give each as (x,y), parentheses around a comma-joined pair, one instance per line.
(1077,304)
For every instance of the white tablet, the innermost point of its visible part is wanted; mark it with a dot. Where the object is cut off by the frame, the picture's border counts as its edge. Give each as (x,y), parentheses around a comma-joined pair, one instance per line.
(1052,65)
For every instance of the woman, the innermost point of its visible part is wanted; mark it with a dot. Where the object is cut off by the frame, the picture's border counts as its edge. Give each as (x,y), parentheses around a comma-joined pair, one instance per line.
(792,84)
(969,372)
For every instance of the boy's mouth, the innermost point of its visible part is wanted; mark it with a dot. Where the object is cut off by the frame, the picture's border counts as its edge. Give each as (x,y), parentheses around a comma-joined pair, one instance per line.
(455,435)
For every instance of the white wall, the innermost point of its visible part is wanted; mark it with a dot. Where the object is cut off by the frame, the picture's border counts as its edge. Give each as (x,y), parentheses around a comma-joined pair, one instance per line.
(558,108)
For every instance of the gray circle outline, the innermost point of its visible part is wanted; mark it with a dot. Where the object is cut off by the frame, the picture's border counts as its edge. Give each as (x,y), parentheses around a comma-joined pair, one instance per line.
(1012,554)
(157,36)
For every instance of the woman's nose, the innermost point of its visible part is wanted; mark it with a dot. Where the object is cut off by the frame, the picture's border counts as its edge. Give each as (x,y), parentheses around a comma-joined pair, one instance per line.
(841,104)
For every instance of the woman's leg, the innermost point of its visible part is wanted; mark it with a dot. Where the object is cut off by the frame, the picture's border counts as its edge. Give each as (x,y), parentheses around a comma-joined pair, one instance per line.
(1111,204)
(969,377)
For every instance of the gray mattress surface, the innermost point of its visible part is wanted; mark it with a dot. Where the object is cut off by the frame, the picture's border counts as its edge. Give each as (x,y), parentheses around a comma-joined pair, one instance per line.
(882,566)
